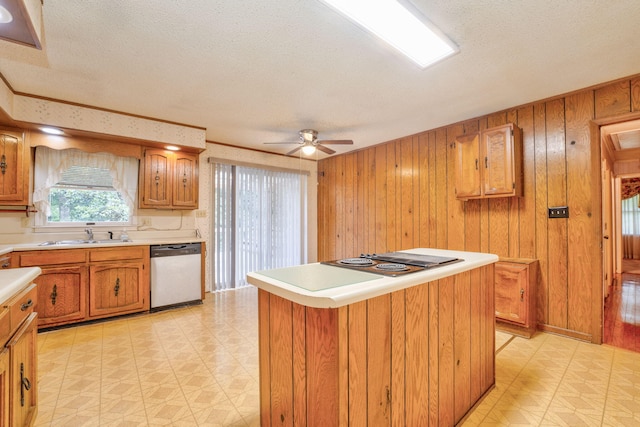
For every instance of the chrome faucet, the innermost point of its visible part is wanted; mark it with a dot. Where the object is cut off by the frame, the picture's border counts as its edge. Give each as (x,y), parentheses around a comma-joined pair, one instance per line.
(89,233)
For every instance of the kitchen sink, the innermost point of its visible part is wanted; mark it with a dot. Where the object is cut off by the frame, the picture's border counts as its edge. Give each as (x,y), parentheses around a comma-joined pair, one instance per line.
(77,242)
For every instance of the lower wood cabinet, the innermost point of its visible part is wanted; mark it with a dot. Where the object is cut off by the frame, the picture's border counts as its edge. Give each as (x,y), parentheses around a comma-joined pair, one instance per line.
(117,288)
(85,284)
(18,358)
(62,294)
(515,287)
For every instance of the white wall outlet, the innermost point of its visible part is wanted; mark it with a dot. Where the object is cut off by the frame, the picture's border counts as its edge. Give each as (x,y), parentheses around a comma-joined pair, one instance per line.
(145,222)
(201,213)
(25,222)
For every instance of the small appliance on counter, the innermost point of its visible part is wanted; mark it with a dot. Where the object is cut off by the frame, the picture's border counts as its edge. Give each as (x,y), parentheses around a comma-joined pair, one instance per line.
(176,274)
(393,263)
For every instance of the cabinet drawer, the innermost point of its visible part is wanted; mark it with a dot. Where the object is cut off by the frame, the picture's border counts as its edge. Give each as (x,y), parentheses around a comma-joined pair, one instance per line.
(119,253)
(5,325)
(23,305)
(51,257)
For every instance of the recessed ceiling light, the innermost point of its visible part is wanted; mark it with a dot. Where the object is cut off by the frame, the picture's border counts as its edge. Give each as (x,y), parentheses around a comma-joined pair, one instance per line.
(394,24)
(51,131)
(5,15)
(172,148)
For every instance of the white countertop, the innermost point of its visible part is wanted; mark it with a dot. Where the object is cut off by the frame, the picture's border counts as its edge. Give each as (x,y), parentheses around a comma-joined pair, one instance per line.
(340,286)
(7,248)
(12,280)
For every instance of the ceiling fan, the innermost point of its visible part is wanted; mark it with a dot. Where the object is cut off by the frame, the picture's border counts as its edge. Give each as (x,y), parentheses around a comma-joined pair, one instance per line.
(309,143)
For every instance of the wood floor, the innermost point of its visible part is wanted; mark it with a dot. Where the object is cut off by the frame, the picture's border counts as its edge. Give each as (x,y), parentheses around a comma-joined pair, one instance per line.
(622,309)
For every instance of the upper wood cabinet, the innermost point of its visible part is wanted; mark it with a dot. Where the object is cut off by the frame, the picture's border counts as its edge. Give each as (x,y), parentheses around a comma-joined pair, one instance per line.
(169,180)
(14,168)
(489,163)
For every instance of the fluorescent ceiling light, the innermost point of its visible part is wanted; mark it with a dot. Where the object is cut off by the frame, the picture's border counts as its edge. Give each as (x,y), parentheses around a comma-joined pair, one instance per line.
(394,24)
(5,15)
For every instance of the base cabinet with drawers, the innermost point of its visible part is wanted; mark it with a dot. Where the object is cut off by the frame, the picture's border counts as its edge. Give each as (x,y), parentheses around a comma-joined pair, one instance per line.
(18,357)
(84,284)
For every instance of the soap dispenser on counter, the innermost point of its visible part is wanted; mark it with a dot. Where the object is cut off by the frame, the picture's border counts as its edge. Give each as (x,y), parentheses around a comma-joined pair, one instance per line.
(124,236)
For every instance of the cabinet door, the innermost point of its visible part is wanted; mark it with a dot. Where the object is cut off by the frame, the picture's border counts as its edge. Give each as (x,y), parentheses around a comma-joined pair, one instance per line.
(156,179)
(4,387)
(61,295)
(117,288)
(13,169)
(512,292)
(24,376)
(497,146)
(468,166)
(185,181)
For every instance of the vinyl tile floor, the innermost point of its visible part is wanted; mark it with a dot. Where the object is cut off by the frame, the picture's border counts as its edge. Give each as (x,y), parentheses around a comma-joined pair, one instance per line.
(198,366)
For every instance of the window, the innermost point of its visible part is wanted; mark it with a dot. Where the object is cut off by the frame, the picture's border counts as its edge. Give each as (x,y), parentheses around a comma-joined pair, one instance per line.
(259,222)
(72,187)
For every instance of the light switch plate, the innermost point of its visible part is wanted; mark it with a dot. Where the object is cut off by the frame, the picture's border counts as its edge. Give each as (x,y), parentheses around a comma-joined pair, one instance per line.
(559,212)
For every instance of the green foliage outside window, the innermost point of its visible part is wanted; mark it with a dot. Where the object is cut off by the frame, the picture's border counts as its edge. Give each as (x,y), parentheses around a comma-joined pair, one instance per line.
(87,205)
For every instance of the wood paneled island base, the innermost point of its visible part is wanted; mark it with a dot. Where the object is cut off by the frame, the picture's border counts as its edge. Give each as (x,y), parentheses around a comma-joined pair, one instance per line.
(419,356)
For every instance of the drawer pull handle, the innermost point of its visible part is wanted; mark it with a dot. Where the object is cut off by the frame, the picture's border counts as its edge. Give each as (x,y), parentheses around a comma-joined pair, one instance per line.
(6,264)
(521,295)
(25,384)
(26,305)
(3,164)
(54,295)
(117,288)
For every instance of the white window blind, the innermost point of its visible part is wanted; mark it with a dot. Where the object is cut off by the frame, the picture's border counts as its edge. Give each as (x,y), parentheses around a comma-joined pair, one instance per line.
(259,222)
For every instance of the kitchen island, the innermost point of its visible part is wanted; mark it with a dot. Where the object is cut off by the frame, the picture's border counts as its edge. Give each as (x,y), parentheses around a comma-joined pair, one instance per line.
(342,347)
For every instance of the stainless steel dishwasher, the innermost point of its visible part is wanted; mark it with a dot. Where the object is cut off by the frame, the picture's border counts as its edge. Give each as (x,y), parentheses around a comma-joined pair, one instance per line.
(176,274)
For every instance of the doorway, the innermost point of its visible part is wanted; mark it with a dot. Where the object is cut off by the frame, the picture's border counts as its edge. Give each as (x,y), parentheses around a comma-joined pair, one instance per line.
(620,171)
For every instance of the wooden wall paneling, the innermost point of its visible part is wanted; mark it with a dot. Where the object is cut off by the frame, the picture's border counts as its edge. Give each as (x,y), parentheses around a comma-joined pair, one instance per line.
(446,343)
(578,113)
(392,211)
(350,184)
(372,196)
(415,149)
(360,228)
(433,201)
(381,199)
(398,358)
(462,344)
(397,243)
(281,363)
(341,202)
(322,366)
(635,94)
(441,189)
(613,99)
(331,210)
(379,363)
(597,273)
(477,320)
(455,207)
(342,367)
(417,344)
(557,196)
(407,191)
(527,203)
(299,366)
(264,362)
(542,238)
(484,205)
(424,191)
(322,206)
(358,364)
(498,208)
(434,352)
(514,205)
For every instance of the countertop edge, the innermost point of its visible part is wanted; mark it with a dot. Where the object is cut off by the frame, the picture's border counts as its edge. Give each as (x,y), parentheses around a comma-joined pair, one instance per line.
(349,294)
(21,247)
(12,280)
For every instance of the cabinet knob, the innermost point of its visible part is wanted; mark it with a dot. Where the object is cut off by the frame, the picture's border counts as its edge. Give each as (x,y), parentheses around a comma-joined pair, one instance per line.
(54,295)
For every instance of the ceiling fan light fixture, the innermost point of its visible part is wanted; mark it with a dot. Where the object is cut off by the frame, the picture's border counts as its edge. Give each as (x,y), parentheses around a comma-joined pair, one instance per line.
(5,15)
(308,149)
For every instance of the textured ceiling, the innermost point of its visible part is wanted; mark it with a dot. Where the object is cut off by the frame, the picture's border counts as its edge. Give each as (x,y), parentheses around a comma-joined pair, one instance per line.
(256,71)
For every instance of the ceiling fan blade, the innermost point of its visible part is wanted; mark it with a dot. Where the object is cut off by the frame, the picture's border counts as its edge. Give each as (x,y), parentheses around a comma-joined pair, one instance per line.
(325,149)
(336,141)
(283,142)
(294,150)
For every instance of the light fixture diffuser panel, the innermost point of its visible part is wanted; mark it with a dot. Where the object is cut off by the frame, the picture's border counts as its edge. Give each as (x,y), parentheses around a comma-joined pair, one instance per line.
(397,26)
